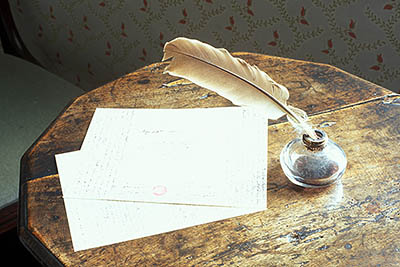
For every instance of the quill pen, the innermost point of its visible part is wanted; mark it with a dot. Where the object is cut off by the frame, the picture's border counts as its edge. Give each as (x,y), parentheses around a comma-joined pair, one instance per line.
(232,78)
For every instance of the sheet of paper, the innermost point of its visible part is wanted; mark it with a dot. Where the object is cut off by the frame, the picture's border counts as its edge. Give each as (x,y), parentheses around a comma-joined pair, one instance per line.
(140,167)
(192,156)
(122,221)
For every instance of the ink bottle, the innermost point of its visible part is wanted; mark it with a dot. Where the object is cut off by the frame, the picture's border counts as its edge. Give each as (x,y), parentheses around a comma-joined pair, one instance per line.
(313,163)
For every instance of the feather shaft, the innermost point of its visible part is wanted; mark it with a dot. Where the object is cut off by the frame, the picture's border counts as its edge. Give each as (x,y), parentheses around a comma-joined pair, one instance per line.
(206,66)
(281,106)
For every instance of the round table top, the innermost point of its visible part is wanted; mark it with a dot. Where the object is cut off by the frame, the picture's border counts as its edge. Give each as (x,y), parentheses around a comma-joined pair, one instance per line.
(354,222)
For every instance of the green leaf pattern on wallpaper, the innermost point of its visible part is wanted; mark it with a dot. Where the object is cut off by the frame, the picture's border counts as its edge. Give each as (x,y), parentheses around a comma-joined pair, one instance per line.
(92,42)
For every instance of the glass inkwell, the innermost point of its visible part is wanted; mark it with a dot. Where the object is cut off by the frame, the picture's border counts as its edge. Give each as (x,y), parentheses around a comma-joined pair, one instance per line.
(313,162)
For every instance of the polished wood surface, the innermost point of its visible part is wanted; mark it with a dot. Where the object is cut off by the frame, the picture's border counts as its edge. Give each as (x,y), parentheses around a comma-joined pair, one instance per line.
(352,223)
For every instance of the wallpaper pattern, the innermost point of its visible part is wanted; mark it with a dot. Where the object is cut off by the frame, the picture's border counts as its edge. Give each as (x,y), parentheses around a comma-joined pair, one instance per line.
(91,42)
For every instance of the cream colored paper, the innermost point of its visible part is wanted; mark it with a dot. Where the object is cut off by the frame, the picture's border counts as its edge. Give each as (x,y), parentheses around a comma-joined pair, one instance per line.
(170,168)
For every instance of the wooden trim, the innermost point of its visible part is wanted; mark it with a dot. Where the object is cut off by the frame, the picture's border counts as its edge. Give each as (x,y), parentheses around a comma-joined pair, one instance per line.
(26,237)
(37,249)
(11,40)
(8,217)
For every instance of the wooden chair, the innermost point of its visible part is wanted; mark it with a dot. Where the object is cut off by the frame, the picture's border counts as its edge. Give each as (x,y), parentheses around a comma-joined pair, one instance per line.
(10,39)
(30,100)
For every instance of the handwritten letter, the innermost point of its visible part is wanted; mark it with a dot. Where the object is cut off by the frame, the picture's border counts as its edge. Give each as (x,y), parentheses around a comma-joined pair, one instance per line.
(149,171)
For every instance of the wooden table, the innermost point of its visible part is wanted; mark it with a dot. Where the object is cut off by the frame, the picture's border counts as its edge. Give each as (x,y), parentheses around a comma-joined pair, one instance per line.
(353,223)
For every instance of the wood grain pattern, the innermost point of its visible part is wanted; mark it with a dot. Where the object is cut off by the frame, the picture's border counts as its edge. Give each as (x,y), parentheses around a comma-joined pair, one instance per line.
(8,217)
(313,87)
(355,222)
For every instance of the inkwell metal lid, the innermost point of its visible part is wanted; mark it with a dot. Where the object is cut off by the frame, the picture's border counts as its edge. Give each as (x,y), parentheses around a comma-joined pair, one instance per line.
(315,144)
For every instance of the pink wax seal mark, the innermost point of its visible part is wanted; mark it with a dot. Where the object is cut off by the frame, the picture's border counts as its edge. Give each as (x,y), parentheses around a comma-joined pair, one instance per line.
(159,190)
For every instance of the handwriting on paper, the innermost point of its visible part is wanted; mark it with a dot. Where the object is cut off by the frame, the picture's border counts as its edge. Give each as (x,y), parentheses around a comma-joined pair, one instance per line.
(186,166)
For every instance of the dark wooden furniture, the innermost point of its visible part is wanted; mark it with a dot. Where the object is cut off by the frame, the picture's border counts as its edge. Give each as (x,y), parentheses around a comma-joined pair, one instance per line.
(8,214)
(10,39)
(353,223)
(12,44)
(8,217)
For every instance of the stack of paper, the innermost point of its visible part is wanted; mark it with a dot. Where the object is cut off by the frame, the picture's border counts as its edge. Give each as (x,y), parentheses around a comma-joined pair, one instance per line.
(142,172)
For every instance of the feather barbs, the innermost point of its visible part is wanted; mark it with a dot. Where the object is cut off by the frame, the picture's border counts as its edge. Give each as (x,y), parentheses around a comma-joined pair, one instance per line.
(233,78)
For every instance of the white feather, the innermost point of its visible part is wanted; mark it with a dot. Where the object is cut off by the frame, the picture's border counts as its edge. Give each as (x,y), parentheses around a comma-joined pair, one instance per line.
(230,77)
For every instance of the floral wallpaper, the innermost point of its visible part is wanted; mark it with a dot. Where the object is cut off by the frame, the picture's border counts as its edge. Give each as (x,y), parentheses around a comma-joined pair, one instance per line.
(91,42)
